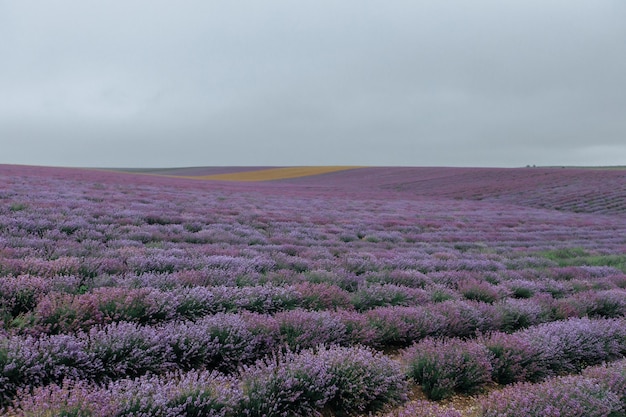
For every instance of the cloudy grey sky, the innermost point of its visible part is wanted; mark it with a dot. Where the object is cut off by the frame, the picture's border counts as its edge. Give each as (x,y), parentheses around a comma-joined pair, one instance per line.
(149,83)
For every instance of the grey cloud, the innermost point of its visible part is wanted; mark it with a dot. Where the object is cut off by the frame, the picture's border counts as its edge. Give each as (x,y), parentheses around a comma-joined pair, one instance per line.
(284,83)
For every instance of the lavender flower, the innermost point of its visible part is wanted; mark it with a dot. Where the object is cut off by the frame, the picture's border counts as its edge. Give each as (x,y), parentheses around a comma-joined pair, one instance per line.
(571,396)
(443,367)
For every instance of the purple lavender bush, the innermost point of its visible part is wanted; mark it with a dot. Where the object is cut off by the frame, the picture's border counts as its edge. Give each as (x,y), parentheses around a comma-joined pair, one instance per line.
(323,296)
(127,350)
(611,376)
(387,295)
(445,366)
(20,295)
(400,326)
(72,398)
(569,346)
(222,341)
(466,318)
(193,394)
(423,409)
(570,396)
(516,314)
(67,357)
(513,358)
(344,380)
(286,385)
(20,366)
(365,380)
(301,329)
(479,290)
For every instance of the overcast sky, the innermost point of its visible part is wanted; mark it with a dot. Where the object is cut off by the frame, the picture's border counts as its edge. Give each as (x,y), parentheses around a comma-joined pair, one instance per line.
(155,83)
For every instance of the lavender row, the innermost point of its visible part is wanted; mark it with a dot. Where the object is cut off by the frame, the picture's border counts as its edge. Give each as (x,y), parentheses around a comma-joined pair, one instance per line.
(226,341)
(66,313)
(57,312)
(447,366)
(345,380)
(223,341)
(303,384)
(576,190)
(235,264)
(600,391)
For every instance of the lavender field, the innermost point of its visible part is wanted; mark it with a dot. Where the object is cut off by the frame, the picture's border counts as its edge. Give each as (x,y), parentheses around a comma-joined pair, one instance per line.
(361,291)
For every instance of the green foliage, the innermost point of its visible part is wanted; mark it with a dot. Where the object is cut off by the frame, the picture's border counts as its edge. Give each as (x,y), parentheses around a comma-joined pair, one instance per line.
(522,292)
(580,257)
(562,254)
(17,207)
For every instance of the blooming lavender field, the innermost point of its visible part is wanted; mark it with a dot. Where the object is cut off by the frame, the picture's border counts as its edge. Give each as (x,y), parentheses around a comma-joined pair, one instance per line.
(345,293)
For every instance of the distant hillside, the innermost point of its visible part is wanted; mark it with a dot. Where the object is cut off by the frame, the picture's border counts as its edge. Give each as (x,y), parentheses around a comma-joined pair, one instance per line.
(567,189)
(580,190)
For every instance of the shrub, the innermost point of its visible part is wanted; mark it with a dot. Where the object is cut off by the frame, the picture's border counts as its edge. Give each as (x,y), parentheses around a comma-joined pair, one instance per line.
(445,366)
(423,409)
(407,278)
(518,314)
(440,293)
(375,295)
(127,350)
(286,385)
(612,376)
(342,279)
(365,380)
(264,299)
(203,394)
(477,290)
(520,288)
(323,296)
(194,394)
(195,302)
(345,380)
(20,366)
(141,305)
(67,356)
(465,318)
(358,328)
(569,346)
(513,358)
(608,303)
(400,326)
(571,396)
(222,341)
(58,313)
(21,294)
(301,329)
(71,399)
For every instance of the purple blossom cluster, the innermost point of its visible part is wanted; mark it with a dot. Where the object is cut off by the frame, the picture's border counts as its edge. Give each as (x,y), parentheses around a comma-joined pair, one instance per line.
(598,391)
(424,409)
(61,312)
(611,376)
(446,366)
(348,380)
(568,396)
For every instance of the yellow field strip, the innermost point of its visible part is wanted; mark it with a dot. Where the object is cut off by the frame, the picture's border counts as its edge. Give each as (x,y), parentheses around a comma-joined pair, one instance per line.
(274,173)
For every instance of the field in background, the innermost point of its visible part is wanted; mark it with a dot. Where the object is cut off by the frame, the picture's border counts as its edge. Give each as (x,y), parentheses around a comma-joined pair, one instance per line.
(272,174)
(123,293)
